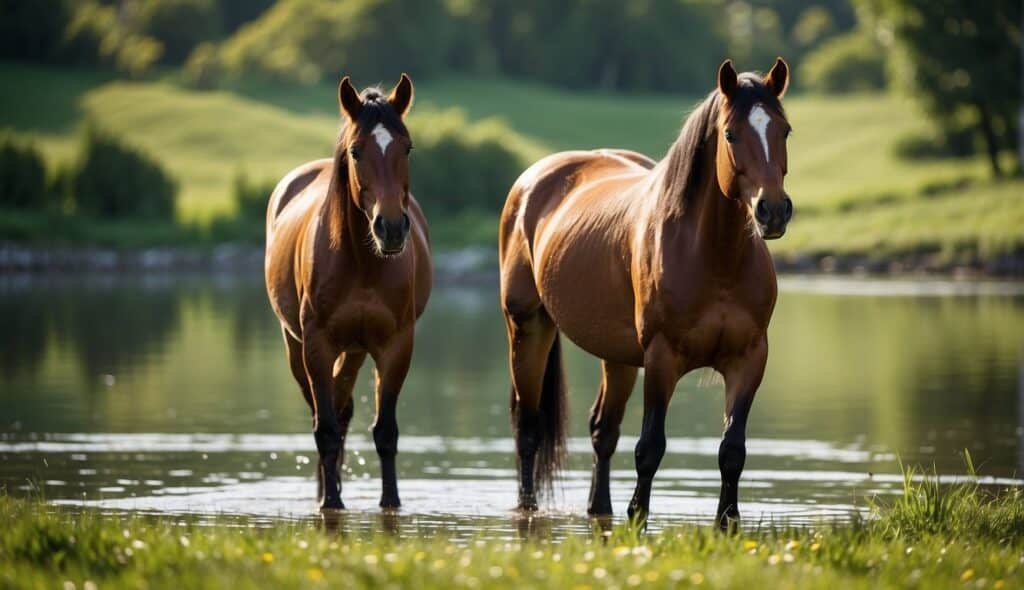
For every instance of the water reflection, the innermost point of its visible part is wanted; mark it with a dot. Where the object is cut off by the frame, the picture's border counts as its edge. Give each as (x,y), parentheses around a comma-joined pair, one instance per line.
(171,394)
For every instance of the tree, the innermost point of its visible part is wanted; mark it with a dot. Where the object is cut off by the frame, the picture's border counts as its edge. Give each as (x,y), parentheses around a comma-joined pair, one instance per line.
(963,62)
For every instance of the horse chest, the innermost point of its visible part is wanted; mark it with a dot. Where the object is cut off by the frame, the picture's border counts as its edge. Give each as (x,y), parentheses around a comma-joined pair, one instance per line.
(711,330)
(360,322)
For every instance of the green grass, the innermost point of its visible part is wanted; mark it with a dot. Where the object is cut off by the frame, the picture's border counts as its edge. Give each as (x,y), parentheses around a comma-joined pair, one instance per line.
(852,194)
(932,537)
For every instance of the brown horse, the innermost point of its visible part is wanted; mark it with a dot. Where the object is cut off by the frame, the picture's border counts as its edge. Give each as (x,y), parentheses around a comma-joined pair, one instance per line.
(654,265)
(348,272)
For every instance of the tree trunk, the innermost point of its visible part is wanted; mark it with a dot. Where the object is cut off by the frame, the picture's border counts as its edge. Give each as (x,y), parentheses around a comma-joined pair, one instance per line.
(991,142)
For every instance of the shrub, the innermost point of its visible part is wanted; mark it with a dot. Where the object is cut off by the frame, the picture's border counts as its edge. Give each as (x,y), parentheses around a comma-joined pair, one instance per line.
(956,142)
(203,68)
(22,175)
(95,36)
(249,220)
(112,180)
(32,29)
(179,25)
(846,63)
(458,166)
(305,40)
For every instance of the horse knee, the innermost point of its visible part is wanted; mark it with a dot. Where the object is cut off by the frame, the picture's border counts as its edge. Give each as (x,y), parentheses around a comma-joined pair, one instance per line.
(604,438)
(327,434)
(385,438)
(732,454)
(648,454)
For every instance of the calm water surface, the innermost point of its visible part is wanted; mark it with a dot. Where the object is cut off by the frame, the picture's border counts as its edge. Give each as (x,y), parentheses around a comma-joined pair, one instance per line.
(172,395)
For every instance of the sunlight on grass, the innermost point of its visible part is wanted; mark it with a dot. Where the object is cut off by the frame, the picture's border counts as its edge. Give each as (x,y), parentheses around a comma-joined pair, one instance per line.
(934,535)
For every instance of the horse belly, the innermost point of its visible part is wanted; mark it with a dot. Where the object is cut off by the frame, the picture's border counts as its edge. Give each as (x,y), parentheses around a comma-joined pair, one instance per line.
(591,302)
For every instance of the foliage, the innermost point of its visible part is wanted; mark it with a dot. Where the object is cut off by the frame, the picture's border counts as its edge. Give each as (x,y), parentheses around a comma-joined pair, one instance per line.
(850,62)
(22,175)
(307,41)
(96,36)
(235,13)
(203,69)
(32,30)
(963,63)
(246,223)
(935,536)
(179,25)
(112,180)
(458,165)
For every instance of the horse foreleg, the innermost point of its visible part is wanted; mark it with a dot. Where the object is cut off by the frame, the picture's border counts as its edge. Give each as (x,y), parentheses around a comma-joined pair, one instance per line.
(392,367)
(605,420)
(346,371)
(318,360)
(742,378)
(661,372)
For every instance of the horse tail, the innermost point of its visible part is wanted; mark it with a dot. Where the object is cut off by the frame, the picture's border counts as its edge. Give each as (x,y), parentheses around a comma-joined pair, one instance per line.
(554,410)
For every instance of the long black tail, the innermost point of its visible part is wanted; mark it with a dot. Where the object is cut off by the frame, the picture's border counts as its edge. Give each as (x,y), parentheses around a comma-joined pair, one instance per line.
(554,410)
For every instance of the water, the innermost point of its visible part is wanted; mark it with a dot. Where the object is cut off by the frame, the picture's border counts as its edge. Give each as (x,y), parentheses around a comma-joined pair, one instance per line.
(172,395)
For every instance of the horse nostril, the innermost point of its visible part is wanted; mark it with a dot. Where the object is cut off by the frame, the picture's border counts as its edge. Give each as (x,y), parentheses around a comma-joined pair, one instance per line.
(379,227)
(406,223)
(761,211)
(787,211)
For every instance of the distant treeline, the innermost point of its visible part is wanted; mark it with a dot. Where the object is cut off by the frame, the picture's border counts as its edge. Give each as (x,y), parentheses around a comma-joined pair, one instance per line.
(640,45)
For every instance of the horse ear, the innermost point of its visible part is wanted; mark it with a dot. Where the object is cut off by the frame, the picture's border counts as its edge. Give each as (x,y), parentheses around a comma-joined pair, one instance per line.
(402,95)
(348,99)
(728,80)
(778,78)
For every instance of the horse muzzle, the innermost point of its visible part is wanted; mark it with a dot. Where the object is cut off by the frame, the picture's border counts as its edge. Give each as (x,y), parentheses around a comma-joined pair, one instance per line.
(773,217)
(390,234)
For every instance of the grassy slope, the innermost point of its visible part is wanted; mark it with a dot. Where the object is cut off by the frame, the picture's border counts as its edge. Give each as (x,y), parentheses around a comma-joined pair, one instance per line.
(931,538)
(851,194)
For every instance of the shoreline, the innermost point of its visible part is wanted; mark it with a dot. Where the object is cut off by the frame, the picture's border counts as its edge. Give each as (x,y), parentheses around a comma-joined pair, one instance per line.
(469,265)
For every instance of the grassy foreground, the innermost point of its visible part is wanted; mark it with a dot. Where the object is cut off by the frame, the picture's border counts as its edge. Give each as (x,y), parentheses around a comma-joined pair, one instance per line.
(932,537)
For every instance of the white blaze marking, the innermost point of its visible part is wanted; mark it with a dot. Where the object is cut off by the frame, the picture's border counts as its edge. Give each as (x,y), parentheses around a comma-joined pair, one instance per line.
(759,120)
(383,137)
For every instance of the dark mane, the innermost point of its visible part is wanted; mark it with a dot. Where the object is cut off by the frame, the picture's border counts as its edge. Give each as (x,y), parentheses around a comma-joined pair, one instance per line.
(376,109)
(682,163)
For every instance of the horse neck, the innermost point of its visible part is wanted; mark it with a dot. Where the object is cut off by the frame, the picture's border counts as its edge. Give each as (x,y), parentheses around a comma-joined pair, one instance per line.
(716,229)
(345,229)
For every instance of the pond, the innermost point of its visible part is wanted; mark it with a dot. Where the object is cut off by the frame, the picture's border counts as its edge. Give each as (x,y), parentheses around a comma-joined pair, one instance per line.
(171,394)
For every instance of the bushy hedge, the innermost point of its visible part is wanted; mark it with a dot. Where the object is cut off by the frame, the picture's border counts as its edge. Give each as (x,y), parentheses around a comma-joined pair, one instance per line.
(307,40)
(95,35)
(112,180)
(458,166)
(847,63)
(179,25)
(23,182)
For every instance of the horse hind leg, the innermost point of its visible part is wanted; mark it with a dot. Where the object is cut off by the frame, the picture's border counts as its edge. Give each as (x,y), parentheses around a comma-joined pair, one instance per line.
(605,421)
(532,352)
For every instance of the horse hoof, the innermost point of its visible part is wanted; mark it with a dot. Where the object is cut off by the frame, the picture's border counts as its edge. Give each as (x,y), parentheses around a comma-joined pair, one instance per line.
(332,504)
(637,515)
(599,510)
(729,523)
(390,503)
(528,504)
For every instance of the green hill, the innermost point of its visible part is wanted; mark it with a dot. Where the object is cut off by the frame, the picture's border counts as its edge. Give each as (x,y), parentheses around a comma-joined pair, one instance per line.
(851,192)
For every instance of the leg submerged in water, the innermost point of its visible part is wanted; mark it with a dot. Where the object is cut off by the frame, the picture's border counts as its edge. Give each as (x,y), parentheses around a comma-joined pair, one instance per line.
(605,422)
(661,372)
(742,378)
(392,367)
(537,402)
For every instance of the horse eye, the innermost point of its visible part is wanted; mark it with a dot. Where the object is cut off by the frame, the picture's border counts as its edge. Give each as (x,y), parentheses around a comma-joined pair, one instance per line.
(730,136)
(354,153)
